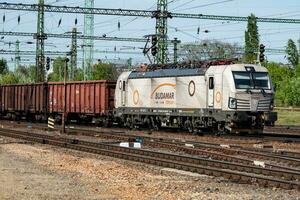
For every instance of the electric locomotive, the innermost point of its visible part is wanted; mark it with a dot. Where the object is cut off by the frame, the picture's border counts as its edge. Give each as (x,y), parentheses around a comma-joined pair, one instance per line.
(224,98)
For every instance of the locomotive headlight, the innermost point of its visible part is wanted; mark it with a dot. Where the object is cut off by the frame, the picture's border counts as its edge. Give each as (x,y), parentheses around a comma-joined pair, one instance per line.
(232,103)
(272,105)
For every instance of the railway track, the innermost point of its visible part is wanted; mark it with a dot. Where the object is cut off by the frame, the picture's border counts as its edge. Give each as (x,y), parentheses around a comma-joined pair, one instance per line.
(206,148)
(277,133)
(286,179)
(272,159)
(282,129)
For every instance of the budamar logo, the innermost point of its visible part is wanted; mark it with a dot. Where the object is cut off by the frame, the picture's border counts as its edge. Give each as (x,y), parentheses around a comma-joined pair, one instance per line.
(164,95)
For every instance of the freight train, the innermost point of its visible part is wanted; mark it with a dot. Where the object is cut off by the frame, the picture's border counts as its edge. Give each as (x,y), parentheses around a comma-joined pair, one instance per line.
(224,98)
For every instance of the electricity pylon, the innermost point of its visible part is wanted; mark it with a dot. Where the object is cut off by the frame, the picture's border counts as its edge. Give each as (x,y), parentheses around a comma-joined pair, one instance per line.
(88,44)
(40,37)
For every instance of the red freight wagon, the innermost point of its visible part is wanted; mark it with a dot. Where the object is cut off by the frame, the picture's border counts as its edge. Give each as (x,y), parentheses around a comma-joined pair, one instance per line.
(23,99)
(94,98)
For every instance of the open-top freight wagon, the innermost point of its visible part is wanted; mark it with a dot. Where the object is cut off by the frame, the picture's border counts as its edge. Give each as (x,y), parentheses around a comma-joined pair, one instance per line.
(84,100)
(24,100)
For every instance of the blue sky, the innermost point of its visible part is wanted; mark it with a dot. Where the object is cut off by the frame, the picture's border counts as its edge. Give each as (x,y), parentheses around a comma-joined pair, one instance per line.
(272,35)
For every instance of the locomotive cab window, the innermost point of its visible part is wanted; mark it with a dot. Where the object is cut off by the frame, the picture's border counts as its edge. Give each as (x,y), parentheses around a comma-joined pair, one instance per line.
(251,80)
(211,83)
(261,80)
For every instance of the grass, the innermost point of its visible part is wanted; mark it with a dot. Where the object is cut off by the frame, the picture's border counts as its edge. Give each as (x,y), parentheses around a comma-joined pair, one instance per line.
(288,118)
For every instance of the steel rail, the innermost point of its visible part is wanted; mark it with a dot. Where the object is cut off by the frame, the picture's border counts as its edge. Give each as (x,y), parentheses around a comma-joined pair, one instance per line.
(207,146)
(212,150)
(203,147)
(183,162)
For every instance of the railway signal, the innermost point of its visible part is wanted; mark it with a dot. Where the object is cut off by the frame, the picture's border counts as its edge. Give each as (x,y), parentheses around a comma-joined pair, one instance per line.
(154,45)
(261,53)
(48,60)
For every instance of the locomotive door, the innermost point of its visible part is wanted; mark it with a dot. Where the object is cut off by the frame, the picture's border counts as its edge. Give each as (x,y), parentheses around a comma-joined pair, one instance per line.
(211,88)
(123,93)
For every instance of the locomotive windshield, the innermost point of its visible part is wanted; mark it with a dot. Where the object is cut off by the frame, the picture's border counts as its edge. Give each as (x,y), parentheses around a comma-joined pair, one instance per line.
(251,80)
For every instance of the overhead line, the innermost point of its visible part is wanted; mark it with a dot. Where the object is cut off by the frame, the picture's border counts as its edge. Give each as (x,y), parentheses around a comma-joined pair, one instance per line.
(136,13)
(56,35)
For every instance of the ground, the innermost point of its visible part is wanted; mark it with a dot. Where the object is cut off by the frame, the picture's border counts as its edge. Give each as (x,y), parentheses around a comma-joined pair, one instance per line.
(34,171)
(288,118)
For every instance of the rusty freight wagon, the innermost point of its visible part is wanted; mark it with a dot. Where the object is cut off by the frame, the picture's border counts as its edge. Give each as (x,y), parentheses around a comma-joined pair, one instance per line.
(85,101)
(24,100)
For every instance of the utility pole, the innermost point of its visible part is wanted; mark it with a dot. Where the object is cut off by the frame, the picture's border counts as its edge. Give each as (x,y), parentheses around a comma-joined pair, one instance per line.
(73,65)
(40,37)
(17,55)
(64,114)
(88,44)
(161,31)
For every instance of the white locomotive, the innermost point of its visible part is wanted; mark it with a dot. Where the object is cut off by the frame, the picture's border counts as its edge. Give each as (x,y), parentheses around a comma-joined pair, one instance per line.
(223,98)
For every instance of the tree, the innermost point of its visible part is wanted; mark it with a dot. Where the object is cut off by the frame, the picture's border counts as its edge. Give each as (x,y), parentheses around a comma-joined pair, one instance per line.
(58,70)
(78,74)
(9,78)
(279,72)
(297,70)
(287,84)
(3,66)
(103,71)
(208,49)
(251,40)
(292,53)
(25,74)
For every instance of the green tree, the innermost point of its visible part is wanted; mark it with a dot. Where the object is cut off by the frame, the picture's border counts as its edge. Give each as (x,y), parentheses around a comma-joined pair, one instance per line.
(297,70)
(289,94)
(292,53)
(78,74)
(103,71)
(9,78)
(251,40)
(3,66)
(58,70)
(207,49)
(287,84)
(25,74)
(279,72)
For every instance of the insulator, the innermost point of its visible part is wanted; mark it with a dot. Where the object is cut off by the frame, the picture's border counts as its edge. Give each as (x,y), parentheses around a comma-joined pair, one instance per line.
(119,25)
(115,49)
(19,19)
(3,18)
(59,22)
(198,30)
(76,21)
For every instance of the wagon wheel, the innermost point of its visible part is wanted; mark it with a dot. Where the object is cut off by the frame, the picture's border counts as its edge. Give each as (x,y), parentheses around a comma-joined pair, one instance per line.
(189,126)
(154,124)
(129,123)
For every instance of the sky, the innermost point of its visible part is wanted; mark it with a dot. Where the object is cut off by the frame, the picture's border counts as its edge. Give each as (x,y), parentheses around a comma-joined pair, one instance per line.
(272,35)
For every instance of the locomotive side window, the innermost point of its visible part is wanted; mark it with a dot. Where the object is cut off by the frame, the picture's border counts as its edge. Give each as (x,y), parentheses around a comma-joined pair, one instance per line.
(123,85)
(211,83)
